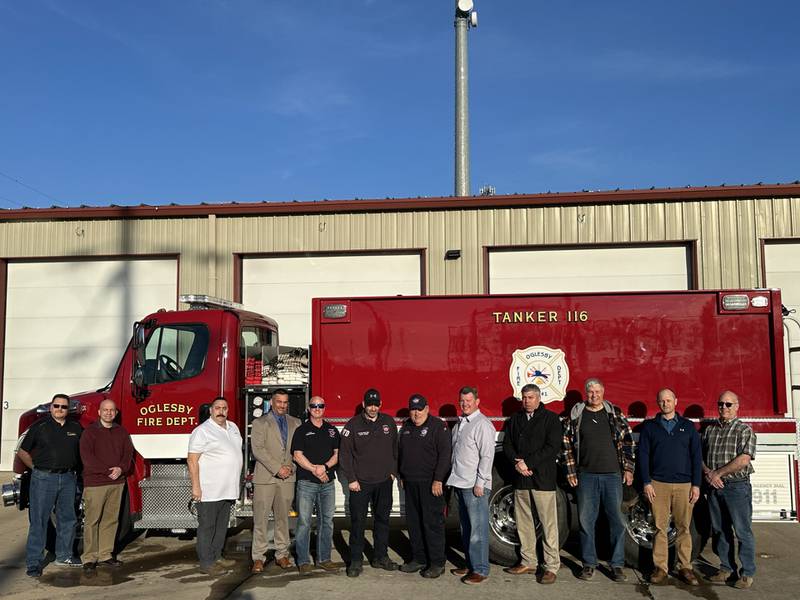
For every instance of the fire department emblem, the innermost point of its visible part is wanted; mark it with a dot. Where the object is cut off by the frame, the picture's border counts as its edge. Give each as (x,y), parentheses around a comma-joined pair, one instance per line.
(346,432)
(423,432)
(386,429)
(332,432)
(546,367)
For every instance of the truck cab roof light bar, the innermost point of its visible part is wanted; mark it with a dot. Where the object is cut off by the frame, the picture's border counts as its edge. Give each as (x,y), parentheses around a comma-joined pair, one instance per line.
(203,302)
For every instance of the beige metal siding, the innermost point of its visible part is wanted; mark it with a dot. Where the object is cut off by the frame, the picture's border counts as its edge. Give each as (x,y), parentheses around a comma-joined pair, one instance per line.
(728,234)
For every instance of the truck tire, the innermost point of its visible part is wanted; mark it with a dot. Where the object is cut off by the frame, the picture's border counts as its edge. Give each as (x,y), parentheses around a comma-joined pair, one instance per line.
(640,531)
(503,538)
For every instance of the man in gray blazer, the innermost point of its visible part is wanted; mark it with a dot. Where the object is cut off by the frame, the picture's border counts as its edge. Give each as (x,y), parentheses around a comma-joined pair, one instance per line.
(274,477)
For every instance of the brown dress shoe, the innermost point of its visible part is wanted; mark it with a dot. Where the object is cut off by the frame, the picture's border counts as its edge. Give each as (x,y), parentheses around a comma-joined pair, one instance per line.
(283,562)
(520,570)
(258,566)
(461,571)
(547,578)
(688,576)
(658,577)
(474,579)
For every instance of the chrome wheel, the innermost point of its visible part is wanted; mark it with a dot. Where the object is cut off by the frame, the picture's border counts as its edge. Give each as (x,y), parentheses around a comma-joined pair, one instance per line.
(641,527)
(501,515)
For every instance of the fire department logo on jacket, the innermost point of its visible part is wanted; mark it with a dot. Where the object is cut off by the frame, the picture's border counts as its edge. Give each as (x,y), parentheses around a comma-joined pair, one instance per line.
(385,429)
(546,367)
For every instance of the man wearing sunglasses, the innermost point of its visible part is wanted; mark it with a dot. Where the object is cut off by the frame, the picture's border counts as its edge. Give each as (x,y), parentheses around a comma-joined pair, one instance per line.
(51,449)
(729,447)
(315,449)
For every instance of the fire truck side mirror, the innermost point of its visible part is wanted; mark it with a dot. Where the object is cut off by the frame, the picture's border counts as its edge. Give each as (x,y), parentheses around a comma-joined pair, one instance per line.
(139,343)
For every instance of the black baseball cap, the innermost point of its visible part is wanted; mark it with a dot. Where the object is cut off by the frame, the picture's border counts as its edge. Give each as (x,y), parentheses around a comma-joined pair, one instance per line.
(372,397)
(417,402)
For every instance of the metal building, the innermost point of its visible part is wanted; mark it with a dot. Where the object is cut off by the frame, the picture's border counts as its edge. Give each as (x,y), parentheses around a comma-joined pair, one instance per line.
(73,280)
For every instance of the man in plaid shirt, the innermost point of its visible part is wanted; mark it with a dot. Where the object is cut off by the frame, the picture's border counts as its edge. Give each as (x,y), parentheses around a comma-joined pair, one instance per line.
(599,452)
(729,446)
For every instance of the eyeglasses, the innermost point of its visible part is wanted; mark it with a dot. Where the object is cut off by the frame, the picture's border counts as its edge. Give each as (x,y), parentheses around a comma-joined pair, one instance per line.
(316,406)
(60,406)
(725,404)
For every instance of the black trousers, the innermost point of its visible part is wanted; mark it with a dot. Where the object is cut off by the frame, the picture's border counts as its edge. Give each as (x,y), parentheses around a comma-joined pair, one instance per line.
(425,522)
(379,495)
(212,527)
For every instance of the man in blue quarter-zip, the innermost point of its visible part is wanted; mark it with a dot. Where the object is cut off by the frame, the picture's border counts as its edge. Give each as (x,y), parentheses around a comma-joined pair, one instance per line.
(671,469)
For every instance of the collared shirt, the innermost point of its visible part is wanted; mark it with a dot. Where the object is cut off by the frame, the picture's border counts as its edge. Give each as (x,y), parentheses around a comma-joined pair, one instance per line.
(473,452)
(220,451)
(667,424)
(725,440)
(318,445)
(52,445)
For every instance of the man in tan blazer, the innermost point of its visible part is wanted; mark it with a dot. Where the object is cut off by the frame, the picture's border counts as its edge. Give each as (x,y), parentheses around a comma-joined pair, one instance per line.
(274,477)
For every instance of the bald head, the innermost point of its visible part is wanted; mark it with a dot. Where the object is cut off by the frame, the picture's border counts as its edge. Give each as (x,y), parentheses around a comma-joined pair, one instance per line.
(107,413)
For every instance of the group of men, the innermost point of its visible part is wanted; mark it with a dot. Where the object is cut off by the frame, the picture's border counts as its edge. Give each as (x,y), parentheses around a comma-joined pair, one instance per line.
(593,444)
(55,449)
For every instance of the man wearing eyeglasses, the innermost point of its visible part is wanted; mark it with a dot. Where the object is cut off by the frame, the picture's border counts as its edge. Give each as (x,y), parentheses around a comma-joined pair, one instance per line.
(729,447)
(51,449)
(315,449)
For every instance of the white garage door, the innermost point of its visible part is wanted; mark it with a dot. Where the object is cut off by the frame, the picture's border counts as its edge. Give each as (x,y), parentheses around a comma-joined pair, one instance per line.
(67,323)
(282,287)
(782,267)
(589,269)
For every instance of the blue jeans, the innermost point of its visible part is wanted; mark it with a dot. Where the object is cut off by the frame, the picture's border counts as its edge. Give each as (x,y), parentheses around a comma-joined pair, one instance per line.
(49,491)
(595,489)
(473,513)
(731,511)
(323,495)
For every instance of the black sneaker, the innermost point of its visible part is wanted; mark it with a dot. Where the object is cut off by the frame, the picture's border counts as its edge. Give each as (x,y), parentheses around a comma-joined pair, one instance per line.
(618,575)
(354,569)
(35,573)
(90,569)
(412,567)
(71,561)
(586,573)
(433,572)
(385,563)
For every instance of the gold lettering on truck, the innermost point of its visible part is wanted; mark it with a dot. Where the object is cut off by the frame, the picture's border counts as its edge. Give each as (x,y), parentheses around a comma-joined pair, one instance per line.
(540,316)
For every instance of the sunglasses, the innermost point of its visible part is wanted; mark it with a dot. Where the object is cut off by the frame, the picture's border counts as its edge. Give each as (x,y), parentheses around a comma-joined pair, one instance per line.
(60,406)
(316,406)
(725,404)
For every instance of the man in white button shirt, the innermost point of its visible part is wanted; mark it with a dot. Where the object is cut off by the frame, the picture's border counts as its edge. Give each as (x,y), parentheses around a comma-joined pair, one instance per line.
(215,469)
(471,480)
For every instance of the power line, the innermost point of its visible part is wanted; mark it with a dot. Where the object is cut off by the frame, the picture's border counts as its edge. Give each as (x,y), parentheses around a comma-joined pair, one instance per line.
(25,185)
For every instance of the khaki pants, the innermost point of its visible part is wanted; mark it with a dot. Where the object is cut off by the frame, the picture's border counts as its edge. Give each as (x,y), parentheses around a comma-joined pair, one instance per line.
(672,498)
(547,513)
(101,516)
(277,498)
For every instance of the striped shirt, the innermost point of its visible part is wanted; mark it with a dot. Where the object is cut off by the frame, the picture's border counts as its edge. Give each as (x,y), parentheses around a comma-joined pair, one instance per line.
(725,440)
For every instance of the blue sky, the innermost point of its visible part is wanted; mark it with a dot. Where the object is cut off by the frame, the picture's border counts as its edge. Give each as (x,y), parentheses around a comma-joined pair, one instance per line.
(185,101)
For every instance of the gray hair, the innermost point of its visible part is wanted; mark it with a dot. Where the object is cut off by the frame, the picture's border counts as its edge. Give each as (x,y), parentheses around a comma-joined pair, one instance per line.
(593,381)
(530,387)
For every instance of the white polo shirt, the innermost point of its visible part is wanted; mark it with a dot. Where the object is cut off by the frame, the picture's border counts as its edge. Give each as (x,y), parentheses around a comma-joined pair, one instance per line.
(220,453)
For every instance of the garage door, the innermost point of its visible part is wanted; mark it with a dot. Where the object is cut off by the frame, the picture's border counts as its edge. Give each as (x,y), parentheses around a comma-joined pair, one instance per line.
(782,267)
(607,269)
(282,287)
(67,323)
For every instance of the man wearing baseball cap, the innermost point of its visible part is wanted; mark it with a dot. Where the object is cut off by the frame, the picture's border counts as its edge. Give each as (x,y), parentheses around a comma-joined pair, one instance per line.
(424,462)
(368,461)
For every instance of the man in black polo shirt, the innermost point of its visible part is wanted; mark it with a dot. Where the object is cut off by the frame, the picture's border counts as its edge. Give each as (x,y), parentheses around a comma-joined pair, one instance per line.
(315,449)
(51,448)
(424,462)
(368,457)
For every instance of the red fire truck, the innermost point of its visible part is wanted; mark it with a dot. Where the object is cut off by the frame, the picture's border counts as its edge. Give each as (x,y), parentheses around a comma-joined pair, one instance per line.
(698,343)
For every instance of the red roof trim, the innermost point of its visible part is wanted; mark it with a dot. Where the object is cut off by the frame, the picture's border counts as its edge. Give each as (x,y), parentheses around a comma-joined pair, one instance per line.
(408,204)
